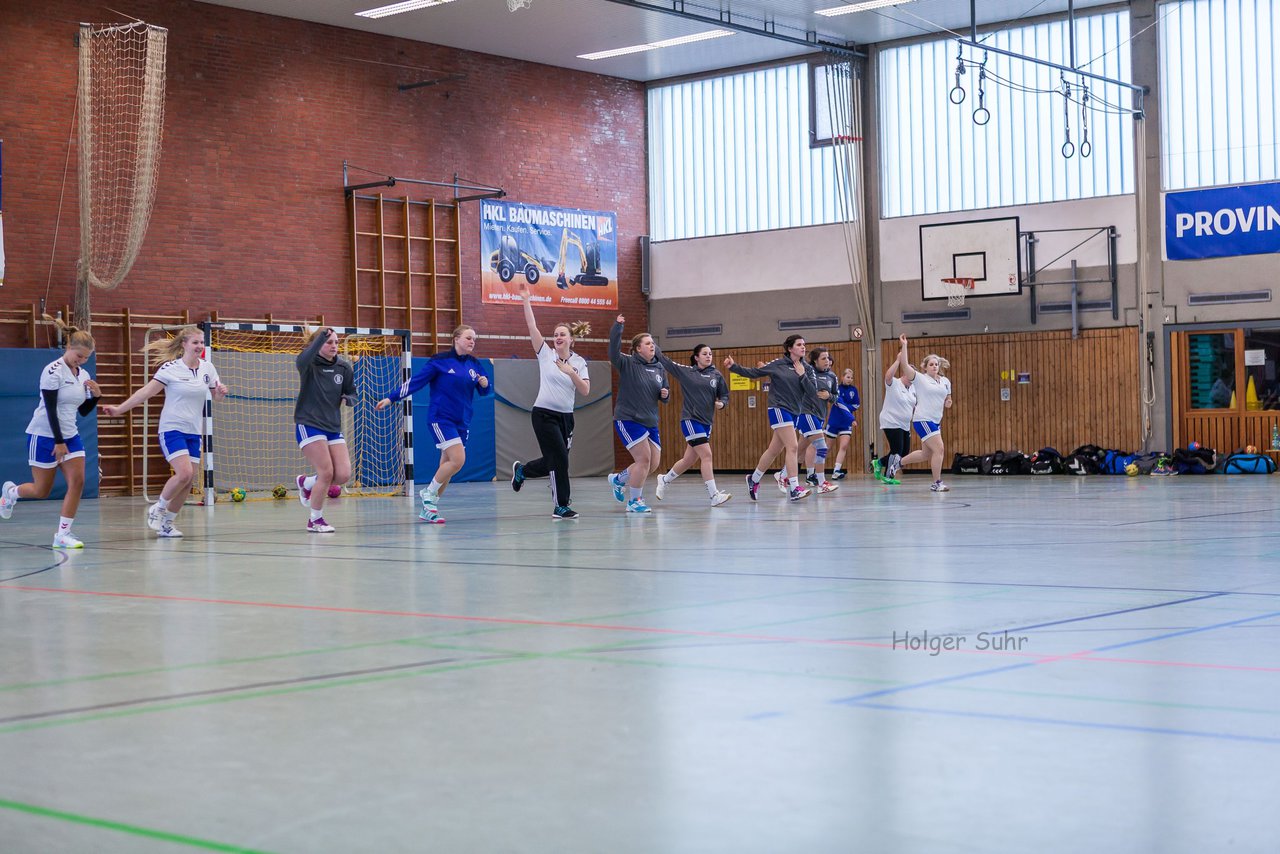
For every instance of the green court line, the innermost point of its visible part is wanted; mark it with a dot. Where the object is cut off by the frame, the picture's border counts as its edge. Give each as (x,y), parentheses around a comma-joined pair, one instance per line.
(149,833)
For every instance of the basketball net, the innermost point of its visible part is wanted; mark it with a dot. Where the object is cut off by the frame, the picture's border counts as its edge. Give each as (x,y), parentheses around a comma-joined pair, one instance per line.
(120,99)
(513,5)
(956,290)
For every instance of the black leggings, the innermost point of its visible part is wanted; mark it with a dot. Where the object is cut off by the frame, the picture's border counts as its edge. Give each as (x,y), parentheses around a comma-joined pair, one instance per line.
(899,443)
(554,431)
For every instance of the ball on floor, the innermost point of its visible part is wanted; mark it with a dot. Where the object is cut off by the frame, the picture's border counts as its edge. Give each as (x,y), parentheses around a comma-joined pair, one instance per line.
(238,494)
(279,491)
(335,491)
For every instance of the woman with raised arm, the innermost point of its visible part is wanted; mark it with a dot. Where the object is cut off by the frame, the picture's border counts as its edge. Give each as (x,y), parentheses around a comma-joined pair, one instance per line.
(562,374)
(842,419)
(454,376)
(53,438)
(933,396)
(789,382)
(703,391)
(642,384)
(186,379)
(895,416)
(327,381)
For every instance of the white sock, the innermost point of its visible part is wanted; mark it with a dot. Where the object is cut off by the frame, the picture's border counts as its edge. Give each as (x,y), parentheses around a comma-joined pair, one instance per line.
(317,514)
(835,468)
(64,524)
(811,471)
(622,477)
(434,487)
(636,494)
(671,475)
(711,487)
(757,476)
(793,482)
(309,483)
(161,504)
(169,515)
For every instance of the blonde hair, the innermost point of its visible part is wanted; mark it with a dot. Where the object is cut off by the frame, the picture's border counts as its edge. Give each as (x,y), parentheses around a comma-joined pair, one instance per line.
(73,336)
(457,333)
(577,328)
(316,333)
(635,342)
(943,364)
(167,349)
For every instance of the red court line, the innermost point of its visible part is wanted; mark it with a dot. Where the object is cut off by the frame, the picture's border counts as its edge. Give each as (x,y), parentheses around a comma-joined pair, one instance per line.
(1039,658)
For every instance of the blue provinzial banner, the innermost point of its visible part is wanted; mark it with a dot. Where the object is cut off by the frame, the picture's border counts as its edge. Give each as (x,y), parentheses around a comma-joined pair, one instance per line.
(564,256)
(1222,221)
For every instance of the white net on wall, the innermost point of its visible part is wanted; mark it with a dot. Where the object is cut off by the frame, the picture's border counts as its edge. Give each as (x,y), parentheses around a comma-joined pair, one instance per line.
(120,99)
(253,429)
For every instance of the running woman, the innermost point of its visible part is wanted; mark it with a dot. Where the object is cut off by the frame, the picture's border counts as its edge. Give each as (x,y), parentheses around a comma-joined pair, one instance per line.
(454,377)
(703,390)
(186,380)
(327,382)
(642,383)
(895,416)
(53,439)
(813,419)
(933,396)
(789,382)
(562,374)
(842,419)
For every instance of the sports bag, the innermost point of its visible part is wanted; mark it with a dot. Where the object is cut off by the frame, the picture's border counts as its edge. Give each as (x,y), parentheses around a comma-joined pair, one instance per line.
(1248,464)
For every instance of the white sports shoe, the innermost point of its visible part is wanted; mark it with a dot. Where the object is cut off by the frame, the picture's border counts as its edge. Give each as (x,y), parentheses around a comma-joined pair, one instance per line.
(304,494)
(319,526)
(826,487)
(167,530)
(720,498)
(6,503)
(660,491)
(939,486)
(781,479)
(65,540)
(798,493)
(155,517)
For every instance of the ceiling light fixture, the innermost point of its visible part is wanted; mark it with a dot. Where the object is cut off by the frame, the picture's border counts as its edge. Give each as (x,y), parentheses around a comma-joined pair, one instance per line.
(641,48)
(860,7)
(397,8)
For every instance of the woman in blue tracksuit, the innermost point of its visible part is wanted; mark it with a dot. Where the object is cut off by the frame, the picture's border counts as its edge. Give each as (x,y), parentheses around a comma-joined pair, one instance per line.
(842,419)
(454,377)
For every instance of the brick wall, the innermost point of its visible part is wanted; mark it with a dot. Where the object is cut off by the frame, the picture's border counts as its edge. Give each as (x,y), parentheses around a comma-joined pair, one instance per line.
(261,111)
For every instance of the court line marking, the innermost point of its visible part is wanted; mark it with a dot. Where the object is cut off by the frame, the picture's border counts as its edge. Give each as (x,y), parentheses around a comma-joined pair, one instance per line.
(1102,614)
(133,829)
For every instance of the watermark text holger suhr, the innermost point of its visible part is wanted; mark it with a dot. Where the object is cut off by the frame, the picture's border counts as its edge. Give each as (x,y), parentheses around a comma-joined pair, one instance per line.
(936,644)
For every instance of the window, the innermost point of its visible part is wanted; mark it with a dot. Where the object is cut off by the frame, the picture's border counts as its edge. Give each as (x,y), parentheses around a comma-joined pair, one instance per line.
(936,158)
(732,154)
(1219,97)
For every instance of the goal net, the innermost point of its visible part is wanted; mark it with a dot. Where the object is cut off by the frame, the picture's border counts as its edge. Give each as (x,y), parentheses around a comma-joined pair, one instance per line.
(253,428)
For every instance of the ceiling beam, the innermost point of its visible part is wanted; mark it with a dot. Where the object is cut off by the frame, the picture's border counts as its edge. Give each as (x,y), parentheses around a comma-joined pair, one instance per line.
(769,29)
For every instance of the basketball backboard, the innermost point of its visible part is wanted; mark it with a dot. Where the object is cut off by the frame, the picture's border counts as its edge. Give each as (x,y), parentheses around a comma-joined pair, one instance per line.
(985,250)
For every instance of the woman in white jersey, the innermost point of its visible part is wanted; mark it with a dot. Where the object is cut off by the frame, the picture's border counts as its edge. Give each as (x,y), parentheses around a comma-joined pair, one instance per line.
(186,380)
(895,416)
(53,439)
(562,374)
(933,395)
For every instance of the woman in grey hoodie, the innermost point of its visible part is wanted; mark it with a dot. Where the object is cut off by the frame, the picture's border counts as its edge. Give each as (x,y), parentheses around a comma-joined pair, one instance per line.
(642,383)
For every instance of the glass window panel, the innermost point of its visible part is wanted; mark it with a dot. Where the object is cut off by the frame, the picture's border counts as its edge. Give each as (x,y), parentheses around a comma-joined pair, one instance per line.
(1211,368)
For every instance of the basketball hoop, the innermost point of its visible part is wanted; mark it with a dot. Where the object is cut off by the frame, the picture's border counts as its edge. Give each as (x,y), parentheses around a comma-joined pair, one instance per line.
(955,290)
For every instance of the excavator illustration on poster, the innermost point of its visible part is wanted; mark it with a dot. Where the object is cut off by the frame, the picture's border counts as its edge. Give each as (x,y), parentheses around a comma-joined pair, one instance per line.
(510,258)
(590,263)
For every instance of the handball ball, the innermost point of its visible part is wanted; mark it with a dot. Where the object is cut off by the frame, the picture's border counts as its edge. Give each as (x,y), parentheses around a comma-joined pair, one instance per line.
(1251,449)
(335,491)
(1131,469)
(1194,446)
(279,491)
(237,494)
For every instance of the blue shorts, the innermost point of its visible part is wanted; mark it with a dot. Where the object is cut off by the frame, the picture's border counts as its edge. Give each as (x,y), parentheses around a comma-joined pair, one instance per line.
(448,434)
(308,434)
(633,434)
(175,443)
(40,450)
(695,430)
(808,425)
(839,423)
(925,429)
(780,418)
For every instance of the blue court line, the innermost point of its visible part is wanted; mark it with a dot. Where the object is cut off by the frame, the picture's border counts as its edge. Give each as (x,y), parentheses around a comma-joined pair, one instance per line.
(1029,719)
(1112,613)
(857,699)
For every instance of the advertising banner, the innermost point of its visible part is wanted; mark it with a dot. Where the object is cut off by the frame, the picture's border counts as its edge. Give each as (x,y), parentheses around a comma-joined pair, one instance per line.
(565,256)
(1222,221)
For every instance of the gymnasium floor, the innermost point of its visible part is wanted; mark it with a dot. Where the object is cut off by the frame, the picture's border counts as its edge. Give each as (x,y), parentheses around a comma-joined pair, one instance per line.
(695,681)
